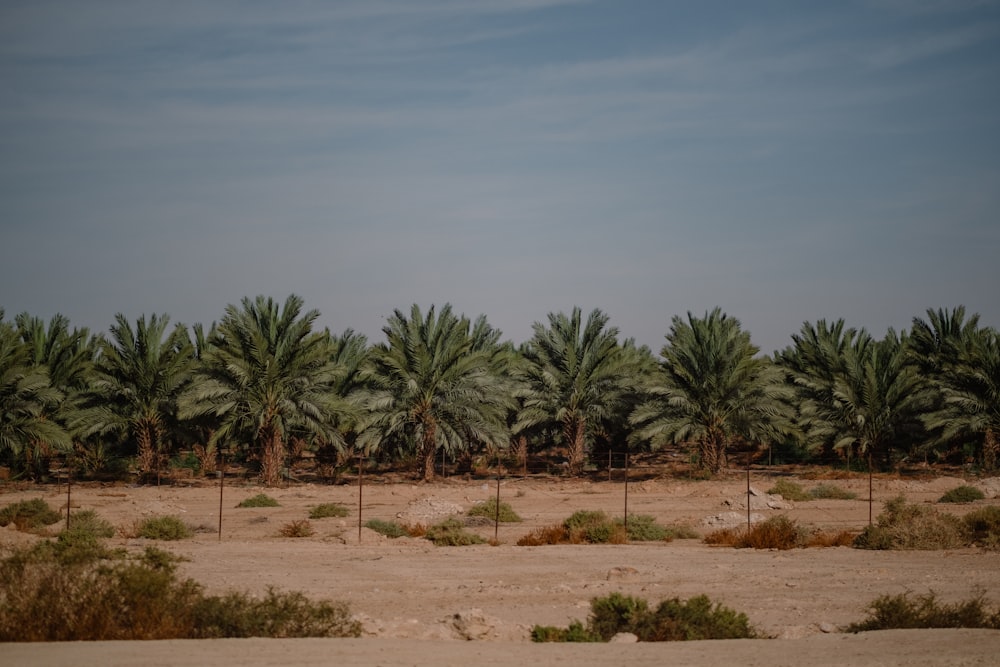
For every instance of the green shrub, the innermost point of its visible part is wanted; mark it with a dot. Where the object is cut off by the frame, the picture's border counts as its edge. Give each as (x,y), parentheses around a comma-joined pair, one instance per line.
(45,598)
(87,521)
(908,526)
(29,515)
(892,612)
(982,526)
(387,528)
(488,509)
(576,632)
(831,492)
(328,510)
(672,620)
(260,500)
(789,491)
(594,527)
(962,494)
(643,528)
(163,528)
(451,533)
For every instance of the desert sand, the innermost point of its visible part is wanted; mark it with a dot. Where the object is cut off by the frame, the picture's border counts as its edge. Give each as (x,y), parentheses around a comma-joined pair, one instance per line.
(475,605)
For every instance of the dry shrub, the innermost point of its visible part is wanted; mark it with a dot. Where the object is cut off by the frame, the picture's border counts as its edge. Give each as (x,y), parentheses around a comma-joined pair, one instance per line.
(843,538)
(163,528)
(297,528)
(488,509)
(982,527)
(415,529)
(831,492)
(789,490)
(452,533)
(390,529)
(778,532)
(962,494)
(260,500)
(328,511)
(546,535)
(909,526)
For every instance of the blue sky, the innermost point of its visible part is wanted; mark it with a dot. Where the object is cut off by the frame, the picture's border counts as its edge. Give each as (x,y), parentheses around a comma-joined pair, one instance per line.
(785,161)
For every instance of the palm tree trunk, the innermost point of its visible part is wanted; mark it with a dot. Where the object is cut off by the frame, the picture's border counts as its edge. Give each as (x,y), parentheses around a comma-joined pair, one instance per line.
(990,448)
(573,432)
(713,452)
(428,449)
(146,455)
(273,459)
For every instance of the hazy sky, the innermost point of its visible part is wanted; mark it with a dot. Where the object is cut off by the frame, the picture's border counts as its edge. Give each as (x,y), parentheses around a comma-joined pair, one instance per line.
(786,161)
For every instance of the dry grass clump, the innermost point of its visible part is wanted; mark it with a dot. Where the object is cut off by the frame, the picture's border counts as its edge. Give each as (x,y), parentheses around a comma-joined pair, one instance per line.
(831,492)
(29,515)
(87,521)
(50,593)
(892,612)
(298,528)
(260,500)
(789,490)
(488,509)
(672,620)
(962,494)
(390,529)
(328,511)
(778,532)
(909,526)
(841,538)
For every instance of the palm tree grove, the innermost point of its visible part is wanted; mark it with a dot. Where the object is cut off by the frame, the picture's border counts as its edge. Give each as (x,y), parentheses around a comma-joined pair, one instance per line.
(267,390)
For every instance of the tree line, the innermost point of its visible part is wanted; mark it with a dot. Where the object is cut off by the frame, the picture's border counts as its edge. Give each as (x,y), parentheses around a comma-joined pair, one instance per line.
(265,384)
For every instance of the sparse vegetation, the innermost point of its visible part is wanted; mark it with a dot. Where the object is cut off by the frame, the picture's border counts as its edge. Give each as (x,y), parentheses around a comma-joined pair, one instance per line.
(778,532)
(390,529)
(260,500)
(789,490)
(672,620)
(87,521)
(298,528)
(452,533)
(907,526)
(46,597)
(163,528)
(327,511)
(488,509)
(905,611)
(29,515)
(962,494)
(982,527)
(595,527)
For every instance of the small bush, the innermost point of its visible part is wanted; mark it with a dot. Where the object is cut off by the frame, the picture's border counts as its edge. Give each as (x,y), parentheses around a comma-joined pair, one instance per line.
(163,528)
(390,529)
(643,528)
(843,538)
(672,620)
(831,492)
(778,532)
(328,510)
(29,515)
(451,533)
(299,528)
(789,491)
(260,500)
(488,509)
(87,521)
(46,598)
(962,494)
(544,536)
(576,632)
(982,527)
(908,526)
(594,527)
(892,612)
(682,532)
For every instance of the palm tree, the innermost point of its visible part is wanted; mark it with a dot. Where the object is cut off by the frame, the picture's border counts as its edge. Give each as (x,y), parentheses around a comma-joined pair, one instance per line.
(139,375)
(713,390)
(434,384)
(970,389)
(67,356)
(875,399)
(27,399)
(266,378)
(576,374)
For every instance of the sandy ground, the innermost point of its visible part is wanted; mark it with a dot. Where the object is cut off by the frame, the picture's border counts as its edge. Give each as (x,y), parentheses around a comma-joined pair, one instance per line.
(419,604)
